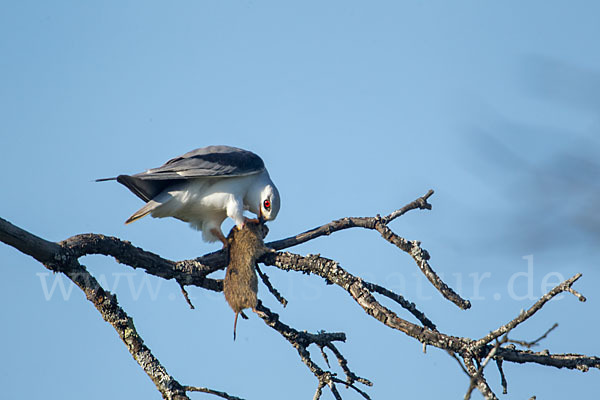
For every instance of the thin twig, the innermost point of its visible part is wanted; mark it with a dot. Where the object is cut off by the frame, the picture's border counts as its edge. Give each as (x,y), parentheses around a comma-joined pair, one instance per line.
(421,258)
(420,203)
(536,341)
(462,367)
(409,306)
(351,377)
(211,391)
(477,378)
(186,296)
(319,391)
(265,278)
(351,385)
(575,293)
(331,383)
(502,376)
(562,287)
(322,348)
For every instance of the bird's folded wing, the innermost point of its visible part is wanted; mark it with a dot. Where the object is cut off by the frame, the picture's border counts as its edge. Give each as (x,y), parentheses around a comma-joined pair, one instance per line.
(206,162)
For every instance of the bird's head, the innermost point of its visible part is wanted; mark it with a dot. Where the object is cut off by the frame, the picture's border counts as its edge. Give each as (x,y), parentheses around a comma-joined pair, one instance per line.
(269,202)
(263,198)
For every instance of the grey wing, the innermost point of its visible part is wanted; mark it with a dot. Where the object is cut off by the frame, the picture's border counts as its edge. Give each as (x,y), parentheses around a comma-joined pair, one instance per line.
(211,161)
(205,162)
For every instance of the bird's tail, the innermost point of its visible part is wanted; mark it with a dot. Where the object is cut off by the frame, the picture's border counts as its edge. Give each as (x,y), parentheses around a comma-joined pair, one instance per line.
(142,212)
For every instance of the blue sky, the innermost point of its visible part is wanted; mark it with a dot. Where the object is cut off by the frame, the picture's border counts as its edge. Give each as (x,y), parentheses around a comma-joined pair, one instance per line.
(356,109)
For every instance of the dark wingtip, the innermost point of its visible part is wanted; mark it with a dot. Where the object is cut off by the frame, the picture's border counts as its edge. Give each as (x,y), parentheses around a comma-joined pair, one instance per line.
(121,178)
(106,179)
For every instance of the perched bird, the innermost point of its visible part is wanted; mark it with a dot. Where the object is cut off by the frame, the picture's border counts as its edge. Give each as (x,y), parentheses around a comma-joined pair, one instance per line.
(240,285)
(205,186)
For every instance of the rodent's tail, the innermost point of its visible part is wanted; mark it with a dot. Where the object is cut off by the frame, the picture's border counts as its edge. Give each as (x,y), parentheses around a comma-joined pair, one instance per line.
(235,324)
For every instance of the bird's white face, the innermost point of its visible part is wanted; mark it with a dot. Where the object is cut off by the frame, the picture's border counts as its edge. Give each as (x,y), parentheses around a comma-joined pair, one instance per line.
(269,202)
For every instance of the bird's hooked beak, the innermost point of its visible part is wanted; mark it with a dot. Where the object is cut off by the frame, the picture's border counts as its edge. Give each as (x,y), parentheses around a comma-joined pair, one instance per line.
(261,218)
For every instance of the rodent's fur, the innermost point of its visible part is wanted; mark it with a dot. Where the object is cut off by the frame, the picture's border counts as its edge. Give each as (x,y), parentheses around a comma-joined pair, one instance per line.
(241,283)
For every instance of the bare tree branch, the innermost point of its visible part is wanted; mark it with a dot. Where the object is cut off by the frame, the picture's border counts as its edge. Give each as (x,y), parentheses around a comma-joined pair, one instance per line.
(59,259)
(106,304)
(301,340)
(187,272)
(380,224)
(570,361)
(27,243)
(63,257)
(216,260)
(349,222)
(202,266)
(332,272)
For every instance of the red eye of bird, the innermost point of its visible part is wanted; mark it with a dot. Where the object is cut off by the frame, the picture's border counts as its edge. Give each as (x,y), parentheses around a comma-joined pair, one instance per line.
(267,205)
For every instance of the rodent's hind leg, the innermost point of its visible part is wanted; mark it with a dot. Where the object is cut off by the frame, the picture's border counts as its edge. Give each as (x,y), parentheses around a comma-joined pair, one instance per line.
(252,220)
(219,235)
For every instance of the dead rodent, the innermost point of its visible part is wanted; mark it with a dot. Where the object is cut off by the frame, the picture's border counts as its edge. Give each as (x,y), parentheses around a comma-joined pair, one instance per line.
(241,283)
